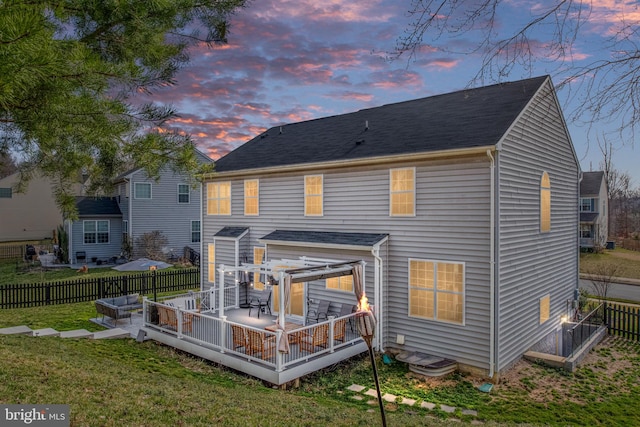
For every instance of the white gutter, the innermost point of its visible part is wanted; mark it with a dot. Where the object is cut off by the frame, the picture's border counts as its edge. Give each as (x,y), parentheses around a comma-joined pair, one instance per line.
(492,263)
(381,160)
(377,292)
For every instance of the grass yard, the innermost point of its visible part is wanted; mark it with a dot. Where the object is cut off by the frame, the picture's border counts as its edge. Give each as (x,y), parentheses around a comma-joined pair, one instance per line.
(17,272)
(122,382)
(627,263)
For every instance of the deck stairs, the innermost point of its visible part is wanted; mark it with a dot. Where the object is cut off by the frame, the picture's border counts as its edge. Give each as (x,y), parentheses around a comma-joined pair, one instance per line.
(78,333)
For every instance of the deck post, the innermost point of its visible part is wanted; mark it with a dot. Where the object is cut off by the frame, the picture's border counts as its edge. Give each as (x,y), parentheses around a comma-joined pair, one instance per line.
(223,333)
(279,356)
(332,320)
(179,321)
(221,291)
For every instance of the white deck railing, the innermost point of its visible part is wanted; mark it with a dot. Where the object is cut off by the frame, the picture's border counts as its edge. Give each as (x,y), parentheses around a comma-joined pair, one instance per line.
(215,333)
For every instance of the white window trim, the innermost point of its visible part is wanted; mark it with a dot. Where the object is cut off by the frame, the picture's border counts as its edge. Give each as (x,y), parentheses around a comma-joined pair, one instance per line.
(96,221)
(321,196)
(188,194)
(199,231)
(415,199)
(257,181)
(218,198)
(135,191)
(435,299)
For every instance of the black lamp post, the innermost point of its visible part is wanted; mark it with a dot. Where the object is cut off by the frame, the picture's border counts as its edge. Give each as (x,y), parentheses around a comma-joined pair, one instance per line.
(366,322)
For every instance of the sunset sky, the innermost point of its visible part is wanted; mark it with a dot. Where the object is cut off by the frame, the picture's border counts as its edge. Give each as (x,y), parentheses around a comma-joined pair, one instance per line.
(294,60)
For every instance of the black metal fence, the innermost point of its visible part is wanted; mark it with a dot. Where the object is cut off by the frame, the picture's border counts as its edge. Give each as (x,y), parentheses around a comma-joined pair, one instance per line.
(576,335)
(72,291)
(624,320)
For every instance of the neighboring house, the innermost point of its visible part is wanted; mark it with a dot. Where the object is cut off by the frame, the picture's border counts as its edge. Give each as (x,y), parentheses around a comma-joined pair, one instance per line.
(170,205)
(32,215)
(97,233)
(594,211)
(462,205)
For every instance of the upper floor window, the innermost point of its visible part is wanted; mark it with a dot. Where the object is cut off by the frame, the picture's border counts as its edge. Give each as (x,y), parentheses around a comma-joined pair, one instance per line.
(142,190)
(545,203)
(402,185)
(96,231)
(588,204)
(183,193)
(313,195)
(6,193)
(219,198)
(341,283)
(436,290)
(195,231)
(251,193)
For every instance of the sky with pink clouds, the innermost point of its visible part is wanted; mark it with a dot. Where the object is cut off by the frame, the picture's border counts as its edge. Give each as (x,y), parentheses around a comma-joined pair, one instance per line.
(294,60)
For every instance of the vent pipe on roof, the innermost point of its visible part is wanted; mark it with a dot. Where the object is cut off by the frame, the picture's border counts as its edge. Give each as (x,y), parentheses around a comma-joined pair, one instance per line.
(281,132)
(366,125)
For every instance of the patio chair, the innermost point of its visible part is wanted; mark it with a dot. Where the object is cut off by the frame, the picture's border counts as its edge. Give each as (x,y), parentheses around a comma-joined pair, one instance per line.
(167,317)
(262,302)
(345,310)
(339,329)
(320,312)
(260,343)
(317,339)
(239,337)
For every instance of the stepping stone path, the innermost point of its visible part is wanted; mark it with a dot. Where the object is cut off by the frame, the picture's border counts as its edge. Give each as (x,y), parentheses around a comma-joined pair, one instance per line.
(356,388)
(78,333)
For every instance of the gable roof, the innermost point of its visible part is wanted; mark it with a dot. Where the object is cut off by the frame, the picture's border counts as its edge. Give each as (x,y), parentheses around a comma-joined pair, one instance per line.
(231,232)
(591,182)
(202,157)
(97,206)
(464,119)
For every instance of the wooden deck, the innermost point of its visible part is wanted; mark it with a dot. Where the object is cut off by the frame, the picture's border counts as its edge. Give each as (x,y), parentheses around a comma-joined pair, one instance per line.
(207,335)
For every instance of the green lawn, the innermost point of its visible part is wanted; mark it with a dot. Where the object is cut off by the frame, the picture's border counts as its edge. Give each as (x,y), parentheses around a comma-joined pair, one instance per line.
(17,272)
(123,382)
(627,263)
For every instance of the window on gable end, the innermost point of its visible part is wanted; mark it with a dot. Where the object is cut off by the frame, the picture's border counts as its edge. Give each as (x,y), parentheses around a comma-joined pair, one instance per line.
(183,193)
(545,203)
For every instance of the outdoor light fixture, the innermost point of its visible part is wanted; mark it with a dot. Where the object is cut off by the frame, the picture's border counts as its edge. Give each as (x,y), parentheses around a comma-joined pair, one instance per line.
(366,322)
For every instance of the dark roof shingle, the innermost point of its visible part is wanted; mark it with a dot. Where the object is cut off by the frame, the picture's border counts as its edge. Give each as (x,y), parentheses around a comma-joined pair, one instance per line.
(464,119)
(590,184)
(97,206)
(232,232)
(325,237)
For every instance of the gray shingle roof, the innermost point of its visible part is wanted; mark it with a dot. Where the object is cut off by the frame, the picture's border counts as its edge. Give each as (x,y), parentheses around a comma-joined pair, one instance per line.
(97,206)
(588,216)
(464,119)
(232,232)
(590,184)
(325,237)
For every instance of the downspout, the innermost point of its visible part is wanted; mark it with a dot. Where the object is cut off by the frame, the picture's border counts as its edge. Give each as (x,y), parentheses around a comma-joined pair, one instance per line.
(201,239)
(576,290)
(377,293)
(70,240)
(492,262)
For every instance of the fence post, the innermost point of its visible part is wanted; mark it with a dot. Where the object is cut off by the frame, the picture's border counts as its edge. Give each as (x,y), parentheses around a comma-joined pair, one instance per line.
(125,285)
(101,288)
(153,284)
(47,294)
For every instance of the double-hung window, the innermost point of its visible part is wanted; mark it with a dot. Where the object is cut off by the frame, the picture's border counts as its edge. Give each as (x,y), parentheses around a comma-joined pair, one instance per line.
(96,231)
(313,195)
(219,198)
(402,193)
(436,290)
(258,258)
(195,231)
(341,283)
(211,263)
(183,193)
(142,190)
(251,197)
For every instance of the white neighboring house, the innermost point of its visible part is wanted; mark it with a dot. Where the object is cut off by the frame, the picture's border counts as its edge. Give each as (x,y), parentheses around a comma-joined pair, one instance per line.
(594,210)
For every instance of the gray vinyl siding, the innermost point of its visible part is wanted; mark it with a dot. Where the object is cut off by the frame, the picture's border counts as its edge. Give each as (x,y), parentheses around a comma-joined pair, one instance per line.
(163,212)
(102,251)
(451,224)
(533,264)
